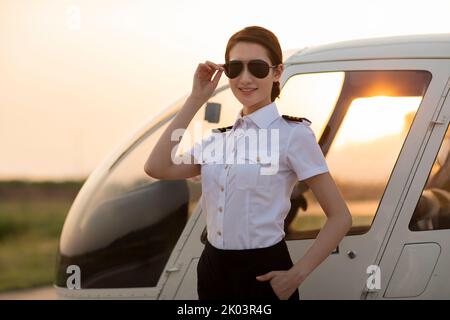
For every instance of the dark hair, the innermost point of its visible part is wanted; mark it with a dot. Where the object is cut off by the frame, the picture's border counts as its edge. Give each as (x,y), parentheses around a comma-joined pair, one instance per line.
(267,39)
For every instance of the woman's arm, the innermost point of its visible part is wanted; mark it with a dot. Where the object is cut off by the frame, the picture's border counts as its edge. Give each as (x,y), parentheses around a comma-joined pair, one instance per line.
(339,222)
(159,164)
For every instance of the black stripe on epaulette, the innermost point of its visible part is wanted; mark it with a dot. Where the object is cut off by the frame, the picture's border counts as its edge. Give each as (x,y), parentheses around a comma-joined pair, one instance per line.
(223,129)
(292,118)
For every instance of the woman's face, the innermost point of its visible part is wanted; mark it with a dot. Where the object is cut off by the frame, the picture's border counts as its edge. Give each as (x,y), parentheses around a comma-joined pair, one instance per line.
(260,97)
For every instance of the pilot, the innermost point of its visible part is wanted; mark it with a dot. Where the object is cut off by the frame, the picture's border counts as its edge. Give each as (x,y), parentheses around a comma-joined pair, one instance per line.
(246,185)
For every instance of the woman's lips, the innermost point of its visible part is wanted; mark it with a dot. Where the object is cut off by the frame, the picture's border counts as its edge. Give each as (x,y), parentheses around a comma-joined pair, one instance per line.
(247,91)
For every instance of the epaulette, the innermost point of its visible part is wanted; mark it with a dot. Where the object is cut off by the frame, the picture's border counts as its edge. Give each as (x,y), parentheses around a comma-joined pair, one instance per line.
(298,119)
(223,129)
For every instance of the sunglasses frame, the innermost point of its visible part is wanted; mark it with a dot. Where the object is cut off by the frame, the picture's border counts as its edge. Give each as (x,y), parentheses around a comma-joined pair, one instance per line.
(244,64)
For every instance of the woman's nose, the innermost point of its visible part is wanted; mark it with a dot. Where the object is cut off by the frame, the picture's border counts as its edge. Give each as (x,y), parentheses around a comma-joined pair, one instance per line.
(246,75)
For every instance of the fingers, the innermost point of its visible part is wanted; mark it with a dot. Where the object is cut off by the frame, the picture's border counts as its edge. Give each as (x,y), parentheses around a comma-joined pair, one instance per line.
(207,69)
(217,77)
(214,66)
(265,277)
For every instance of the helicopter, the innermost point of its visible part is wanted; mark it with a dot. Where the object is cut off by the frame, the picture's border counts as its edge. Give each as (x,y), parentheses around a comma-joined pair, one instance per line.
(380,108)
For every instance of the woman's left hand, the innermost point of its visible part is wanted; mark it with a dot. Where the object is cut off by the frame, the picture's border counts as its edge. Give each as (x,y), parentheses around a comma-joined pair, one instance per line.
(283,282)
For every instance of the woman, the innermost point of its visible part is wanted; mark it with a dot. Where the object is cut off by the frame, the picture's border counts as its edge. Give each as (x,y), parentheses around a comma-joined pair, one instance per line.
(245,256)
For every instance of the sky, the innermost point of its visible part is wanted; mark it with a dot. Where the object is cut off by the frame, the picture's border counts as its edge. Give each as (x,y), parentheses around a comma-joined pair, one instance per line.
(77,77)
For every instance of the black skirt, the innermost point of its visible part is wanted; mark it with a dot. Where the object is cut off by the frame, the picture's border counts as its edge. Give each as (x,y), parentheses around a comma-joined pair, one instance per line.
(231,274)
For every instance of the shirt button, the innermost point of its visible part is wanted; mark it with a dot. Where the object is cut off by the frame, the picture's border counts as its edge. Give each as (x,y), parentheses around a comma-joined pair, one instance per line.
(219,233)
(220,209)
(221,188)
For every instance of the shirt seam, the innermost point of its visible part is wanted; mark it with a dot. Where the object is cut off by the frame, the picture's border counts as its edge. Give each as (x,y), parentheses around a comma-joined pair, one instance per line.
(313,172)
(288,149)
(289,164)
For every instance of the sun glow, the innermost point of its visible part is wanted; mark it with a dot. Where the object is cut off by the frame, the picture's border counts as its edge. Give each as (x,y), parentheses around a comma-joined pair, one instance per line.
(372,118)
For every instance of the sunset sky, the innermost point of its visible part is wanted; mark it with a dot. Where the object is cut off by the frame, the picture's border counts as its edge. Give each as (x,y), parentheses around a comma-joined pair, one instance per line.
(77,77)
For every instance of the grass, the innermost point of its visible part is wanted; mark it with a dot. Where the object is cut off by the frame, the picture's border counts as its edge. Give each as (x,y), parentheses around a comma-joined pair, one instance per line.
(31,219)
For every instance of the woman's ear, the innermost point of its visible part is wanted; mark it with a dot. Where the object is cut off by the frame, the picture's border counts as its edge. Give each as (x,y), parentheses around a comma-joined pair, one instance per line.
(278,72)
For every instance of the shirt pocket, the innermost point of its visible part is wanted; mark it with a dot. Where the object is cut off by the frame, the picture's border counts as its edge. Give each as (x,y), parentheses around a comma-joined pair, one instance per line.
(207,176)
(249,175)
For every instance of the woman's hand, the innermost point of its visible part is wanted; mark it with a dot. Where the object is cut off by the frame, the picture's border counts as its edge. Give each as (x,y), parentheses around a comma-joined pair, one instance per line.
(283,282)
(203,87)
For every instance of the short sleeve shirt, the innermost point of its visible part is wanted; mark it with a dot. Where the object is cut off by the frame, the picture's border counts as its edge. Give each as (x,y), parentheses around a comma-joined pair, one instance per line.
(247,185)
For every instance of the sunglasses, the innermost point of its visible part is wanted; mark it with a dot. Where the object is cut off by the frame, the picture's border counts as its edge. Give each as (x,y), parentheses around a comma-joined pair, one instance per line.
(258,68)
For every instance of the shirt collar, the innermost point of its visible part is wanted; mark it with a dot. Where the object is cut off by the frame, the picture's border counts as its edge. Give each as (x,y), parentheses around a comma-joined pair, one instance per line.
(262,117)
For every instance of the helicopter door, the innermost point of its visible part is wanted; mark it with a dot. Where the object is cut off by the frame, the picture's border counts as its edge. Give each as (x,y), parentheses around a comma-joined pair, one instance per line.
(417,258)
(362,114)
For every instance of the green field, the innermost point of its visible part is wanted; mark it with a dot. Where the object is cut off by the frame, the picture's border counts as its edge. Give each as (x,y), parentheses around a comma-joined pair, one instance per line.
(31,219)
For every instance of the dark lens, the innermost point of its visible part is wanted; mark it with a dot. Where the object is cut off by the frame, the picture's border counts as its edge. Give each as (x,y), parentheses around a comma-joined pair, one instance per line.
(233,69)
(259,68)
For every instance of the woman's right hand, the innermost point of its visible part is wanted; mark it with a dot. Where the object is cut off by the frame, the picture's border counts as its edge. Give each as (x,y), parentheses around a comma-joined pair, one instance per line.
(203,87)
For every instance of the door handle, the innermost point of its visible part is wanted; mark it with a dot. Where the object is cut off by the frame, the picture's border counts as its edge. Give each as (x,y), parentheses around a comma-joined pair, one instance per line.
(441,120)
(173,269)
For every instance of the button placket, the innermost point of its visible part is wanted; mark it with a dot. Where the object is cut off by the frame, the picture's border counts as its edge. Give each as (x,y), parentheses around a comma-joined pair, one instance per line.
(236,140)
(229,158)
(221,203)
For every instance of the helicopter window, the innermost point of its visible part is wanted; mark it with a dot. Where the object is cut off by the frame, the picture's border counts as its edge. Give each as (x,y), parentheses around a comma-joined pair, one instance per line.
(432,211)
(362,119)
(124,236)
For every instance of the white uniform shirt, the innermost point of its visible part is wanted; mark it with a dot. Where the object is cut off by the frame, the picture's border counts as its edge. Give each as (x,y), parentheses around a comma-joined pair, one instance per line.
(246,209)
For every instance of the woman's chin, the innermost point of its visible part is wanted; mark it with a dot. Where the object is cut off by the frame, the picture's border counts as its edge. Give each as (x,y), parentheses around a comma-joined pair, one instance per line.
(248,101)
